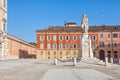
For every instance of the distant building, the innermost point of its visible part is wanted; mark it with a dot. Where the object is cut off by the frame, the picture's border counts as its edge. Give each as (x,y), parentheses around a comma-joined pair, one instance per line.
(64,41)
(19,49)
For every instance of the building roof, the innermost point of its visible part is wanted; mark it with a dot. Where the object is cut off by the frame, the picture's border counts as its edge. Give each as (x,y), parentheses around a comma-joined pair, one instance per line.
(79,29)
(19,40)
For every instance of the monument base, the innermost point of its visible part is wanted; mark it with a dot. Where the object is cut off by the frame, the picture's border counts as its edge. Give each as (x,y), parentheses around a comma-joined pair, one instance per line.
(91,60)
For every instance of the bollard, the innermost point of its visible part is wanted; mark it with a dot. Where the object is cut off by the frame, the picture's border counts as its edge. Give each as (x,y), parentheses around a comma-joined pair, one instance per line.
(55,61)
(106,61)
(119,60)
(111,60)
(74,61)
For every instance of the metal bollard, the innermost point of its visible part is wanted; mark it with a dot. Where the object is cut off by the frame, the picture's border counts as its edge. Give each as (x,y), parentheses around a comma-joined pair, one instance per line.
(74,61)
(106,61)
(55,61)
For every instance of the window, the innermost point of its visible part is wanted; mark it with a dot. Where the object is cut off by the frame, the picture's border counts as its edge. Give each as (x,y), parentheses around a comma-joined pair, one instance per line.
(54,38)
(101,44)
(60,37)
(4,26)
(41,52)
(67,52)
(74,52)
(48,46)
(67,46)
(54,46)
(115,35)
(48,52)
(109,44)
(41,46)
(101,35)
(93,46)
(115,54)
(115,44)
(41,37)
(54,52)
(67,38)
(108,35)
(60,45)
(60,52)
(48,38)
(109,52)
(93,37)
(74,45)
(4,3)
(74,37)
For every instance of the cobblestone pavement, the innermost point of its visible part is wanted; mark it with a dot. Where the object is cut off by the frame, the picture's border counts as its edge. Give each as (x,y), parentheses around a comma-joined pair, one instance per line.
(31,69)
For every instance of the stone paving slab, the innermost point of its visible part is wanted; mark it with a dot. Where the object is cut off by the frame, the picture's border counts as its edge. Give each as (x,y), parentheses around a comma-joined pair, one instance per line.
(76,74)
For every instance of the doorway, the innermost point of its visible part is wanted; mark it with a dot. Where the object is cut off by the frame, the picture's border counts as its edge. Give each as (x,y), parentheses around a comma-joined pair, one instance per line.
(102,55)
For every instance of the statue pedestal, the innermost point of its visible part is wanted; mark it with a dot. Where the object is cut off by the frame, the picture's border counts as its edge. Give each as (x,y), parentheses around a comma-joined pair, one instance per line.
(86,49)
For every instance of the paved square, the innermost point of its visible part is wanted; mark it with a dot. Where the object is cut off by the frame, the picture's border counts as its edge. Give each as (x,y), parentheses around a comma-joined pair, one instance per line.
(75,74)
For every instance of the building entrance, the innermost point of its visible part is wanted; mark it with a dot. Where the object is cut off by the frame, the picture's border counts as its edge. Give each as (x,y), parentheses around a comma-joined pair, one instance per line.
(102,55)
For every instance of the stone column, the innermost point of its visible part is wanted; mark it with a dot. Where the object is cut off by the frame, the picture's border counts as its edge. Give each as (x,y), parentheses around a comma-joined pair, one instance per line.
(106,61)
(74,61)
(111,59)
(55,61)
(119,60)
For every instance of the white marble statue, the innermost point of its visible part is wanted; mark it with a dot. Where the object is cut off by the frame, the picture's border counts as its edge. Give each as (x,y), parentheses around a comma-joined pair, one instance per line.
(84,23)
(86,50)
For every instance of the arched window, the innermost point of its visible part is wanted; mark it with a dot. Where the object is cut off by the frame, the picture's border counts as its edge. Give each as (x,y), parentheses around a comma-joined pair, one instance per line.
(54,46)
(54,52)
(60,46)
(41,46)
(74,45)
(48,46)
(67,46)
(48,52)
(67,38)
(60,52)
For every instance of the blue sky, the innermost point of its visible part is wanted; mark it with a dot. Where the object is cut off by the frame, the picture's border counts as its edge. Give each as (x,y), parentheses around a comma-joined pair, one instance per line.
(27,16)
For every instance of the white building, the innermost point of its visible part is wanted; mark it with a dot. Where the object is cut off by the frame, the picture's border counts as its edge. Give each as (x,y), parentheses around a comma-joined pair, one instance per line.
(3,29)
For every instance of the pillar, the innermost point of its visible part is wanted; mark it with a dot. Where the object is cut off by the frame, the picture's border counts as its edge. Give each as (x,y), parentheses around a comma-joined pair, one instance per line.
(74,61)
(119,60)
(55,61)
(111,59)
(106,61)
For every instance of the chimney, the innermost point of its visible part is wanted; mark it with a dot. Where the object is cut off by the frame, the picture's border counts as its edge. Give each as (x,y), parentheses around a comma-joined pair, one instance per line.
(70,24)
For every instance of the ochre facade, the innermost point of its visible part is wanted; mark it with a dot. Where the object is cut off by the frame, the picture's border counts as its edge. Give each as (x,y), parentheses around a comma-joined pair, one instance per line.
(105,42)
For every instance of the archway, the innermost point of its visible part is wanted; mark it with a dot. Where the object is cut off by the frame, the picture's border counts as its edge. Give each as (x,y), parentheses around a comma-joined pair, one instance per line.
(102,55)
